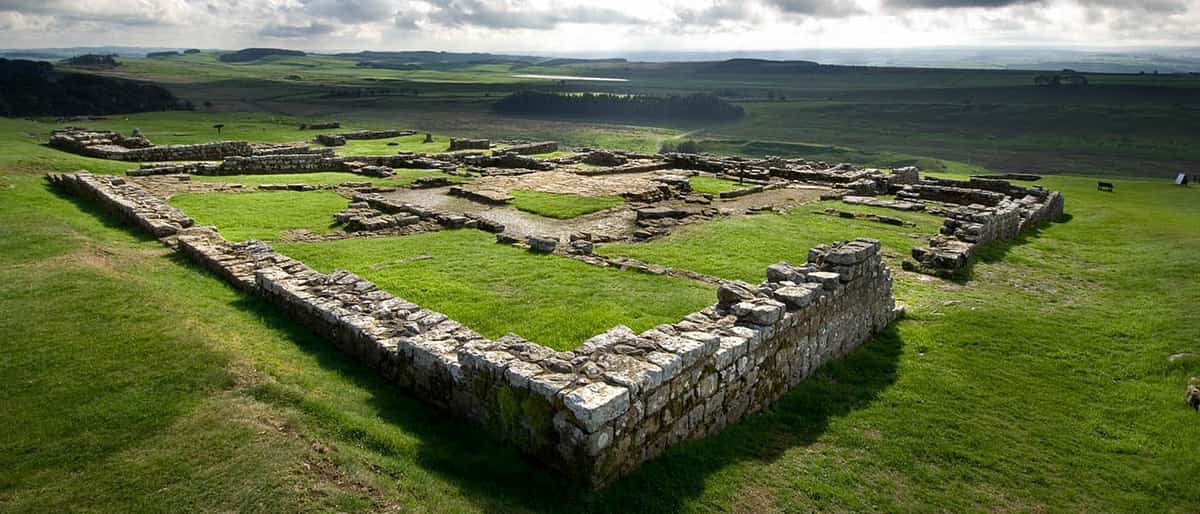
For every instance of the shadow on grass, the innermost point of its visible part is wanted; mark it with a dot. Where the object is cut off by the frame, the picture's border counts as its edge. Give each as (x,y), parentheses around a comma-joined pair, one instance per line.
(495,476)
(105,217)
(997,251)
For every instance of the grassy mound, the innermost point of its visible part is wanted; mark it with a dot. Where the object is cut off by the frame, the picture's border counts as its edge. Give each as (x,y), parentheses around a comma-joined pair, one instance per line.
(562,206)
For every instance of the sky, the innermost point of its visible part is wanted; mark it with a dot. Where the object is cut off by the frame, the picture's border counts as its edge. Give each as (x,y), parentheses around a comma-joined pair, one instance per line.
(598,26)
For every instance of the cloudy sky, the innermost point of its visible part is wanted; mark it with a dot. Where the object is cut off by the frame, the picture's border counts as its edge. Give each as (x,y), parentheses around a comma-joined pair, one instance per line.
(543,26)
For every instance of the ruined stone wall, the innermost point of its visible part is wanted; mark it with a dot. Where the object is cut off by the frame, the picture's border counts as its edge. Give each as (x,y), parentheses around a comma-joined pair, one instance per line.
(622,398)
(376,134)
(534,148)
(973,223)
(949,194)
(125,199)
(594,413)
(272,164)
(459,144)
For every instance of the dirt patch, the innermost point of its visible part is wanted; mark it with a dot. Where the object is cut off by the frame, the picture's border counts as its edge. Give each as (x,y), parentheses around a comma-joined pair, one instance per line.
(616,223)
(781,199)
(570,183)
(167,186)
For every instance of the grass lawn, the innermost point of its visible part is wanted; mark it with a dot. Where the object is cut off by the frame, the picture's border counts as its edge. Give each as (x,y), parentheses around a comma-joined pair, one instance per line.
(403,177)
(134,381)
(561,206)
(496,289)
(714,185)
(262,215)
(414,143)
(742,247)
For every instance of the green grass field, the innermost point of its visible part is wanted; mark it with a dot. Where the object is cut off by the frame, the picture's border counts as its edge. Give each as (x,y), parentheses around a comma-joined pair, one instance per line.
(133,380)
(496,289)
(561,206)
(264,215)
(713,185)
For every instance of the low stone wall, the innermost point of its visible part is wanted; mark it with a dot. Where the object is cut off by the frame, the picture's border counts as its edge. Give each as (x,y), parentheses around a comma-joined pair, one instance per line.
(621,398)
(595,413)
(974,223)
(534,148)
(166,168)
(273,164)
(321,125)
(376,134)
(460,144)
(949,194)
(127,200)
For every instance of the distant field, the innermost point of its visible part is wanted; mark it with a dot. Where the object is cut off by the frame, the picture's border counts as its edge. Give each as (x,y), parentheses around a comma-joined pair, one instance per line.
(1120,124)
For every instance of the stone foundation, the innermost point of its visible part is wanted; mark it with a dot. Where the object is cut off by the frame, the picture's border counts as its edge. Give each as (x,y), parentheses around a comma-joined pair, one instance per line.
(533,148)
(595,413)
(460,144)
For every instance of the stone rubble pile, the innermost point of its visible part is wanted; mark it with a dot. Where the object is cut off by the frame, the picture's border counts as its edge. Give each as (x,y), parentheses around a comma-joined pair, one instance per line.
(361,217)
(604,158)
(330,140)
(448,220)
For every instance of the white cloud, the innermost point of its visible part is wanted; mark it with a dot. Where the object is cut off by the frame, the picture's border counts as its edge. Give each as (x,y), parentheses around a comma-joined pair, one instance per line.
(584,25)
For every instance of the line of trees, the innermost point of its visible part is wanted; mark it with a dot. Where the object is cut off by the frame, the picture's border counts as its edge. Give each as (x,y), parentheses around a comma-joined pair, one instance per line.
(694,107)
(34,88)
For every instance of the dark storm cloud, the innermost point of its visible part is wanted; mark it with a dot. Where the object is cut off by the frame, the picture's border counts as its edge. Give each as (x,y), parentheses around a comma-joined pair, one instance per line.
(350,11)
(296,31)
(817,8)
(1142,6)
(65,12)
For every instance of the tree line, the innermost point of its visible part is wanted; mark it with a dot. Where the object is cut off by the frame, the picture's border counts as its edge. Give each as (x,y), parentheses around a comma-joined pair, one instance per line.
(693,107)
(34,88)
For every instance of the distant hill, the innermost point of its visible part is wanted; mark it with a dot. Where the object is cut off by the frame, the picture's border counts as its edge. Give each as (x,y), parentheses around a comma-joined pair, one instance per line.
(409,57)
(35,88)
(93,61)
(747,66)
(254,54)
(694,107)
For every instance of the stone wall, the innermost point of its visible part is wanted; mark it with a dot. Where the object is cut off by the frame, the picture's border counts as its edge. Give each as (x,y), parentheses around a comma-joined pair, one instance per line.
(125,199)
(621,398)
(987,210)
(321,125)
(534,148)
(272,164)
(594,413)
(376,134)
(459,144)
